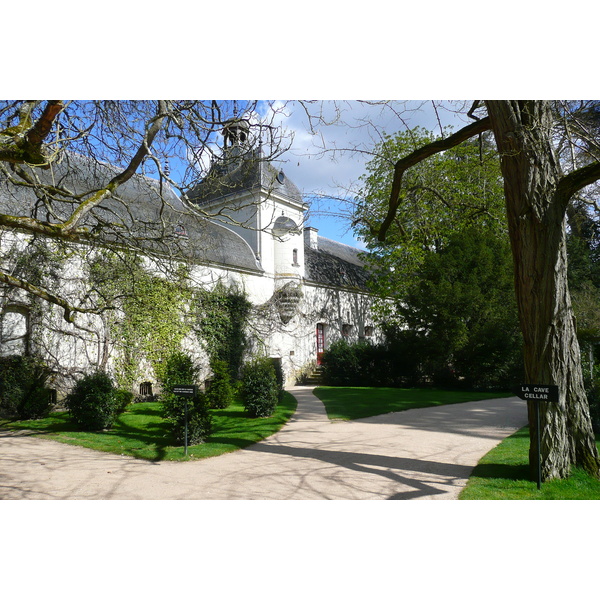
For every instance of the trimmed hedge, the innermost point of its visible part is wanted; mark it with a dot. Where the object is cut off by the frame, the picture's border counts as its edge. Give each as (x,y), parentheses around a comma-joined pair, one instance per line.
(408,359)
(359,364)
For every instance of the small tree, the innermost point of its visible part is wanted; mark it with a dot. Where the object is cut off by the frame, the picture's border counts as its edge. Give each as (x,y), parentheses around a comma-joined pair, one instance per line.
(179,369)
(220,391)
(259,390)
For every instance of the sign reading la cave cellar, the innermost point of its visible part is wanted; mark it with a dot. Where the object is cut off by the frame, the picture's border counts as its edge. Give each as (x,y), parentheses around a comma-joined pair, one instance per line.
(544,393)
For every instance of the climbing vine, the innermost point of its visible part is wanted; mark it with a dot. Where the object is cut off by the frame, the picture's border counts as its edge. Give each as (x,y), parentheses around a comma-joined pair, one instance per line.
(221,316)
(154,316)
(150,324)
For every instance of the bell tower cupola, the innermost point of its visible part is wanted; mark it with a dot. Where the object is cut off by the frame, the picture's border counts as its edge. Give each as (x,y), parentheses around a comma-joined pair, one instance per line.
(236,133)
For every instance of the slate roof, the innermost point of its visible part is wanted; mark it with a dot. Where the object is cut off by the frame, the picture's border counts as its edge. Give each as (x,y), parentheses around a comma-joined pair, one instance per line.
(153,214)
(335,264)
(140,209)
(242,172)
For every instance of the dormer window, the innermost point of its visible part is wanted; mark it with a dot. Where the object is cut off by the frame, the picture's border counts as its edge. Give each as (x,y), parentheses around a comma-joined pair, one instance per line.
(284,226)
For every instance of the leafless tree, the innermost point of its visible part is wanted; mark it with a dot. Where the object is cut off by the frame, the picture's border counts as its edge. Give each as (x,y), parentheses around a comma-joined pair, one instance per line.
(71,171)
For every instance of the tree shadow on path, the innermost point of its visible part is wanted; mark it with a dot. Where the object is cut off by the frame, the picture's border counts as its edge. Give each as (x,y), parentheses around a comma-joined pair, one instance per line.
(391,467)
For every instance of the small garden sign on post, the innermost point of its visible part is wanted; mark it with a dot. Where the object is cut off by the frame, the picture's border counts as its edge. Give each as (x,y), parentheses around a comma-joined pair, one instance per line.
(537,393)
(185,391)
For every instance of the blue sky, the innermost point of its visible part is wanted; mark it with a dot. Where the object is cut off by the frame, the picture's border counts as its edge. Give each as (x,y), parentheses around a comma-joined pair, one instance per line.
(334,172)
(327,157)
(322,50)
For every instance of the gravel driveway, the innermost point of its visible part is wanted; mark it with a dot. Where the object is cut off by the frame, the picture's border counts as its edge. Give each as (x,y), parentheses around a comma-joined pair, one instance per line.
(418,454)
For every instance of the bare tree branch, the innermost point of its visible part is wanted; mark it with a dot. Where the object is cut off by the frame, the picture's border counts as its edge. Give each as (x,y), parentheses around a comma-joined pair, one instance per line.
(471,114)
(570,184)
(37,134)
(15,282)
(22,143)
(125,175)
(30,225)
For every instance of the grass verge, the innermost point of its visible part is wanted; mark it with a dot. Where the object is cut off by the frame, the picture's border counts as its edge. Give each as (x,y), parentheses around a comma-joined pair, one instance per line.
(141,431)
(503,474)
(358,402)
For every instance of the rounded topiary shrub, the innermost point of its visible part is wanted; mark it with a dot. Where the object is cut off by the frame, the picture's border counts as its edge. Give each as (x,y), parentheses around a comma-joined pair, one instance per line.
(23,391)
(179,369)
(259,389)
(199,421)
(93,402)
(220,391)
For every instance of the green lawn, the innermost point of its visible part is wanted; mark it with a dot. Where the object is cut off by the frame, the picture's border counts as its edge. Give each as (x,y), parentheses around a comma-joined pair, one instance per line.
(356,402)
(503,474)
(141,432)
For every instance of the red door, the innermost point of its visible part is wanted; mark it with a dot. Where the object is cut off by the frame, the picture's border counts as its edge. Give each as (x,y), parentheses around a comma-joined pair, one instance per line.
(320,342)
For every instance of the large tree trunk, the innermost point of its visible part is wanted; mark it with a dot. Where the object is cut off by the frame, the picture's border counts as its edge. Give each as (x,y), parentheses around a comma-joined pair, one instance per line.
(536,221)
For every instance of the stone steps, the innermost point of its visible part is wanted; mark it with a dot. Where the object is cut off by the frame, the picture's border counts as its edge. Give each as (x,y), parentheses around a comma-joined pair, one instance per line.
(315,378)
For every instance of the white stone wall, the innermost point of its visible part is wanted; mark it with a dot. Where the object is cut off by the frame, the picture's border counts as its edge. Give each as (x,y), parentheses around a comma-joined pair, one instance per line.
(73,351)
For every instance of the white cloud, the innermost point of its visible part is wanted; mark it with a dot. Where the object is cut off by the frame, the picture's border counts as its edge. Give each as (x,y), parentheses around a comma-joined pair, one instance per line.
(330,145)
(328,155)
(332,157)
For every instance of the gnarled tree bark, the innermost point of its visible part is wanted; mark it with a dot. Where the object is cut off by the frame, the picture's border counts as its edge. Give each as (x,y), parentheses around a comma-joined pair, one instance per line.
(537,196)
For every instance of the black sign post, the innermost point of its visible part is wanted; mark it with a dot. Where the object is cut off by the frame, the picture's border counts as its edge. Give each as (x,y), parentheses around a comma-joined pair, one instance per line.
(536,393)
(185,391)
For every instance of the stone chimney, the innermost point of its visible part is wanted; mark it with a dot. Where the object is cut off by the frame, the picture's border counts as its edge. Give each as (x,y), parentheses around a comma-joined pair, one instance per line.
(310,238)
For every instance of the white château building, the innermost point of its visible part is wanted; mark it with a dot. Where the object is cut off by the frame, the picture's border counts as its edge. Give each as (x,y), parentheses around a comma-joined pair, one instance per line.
(242,227)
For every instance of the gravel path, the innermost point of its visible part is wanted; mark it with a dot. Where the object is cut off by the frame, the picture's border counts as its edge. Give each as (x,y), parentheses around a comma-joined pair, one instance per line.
(417,454)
